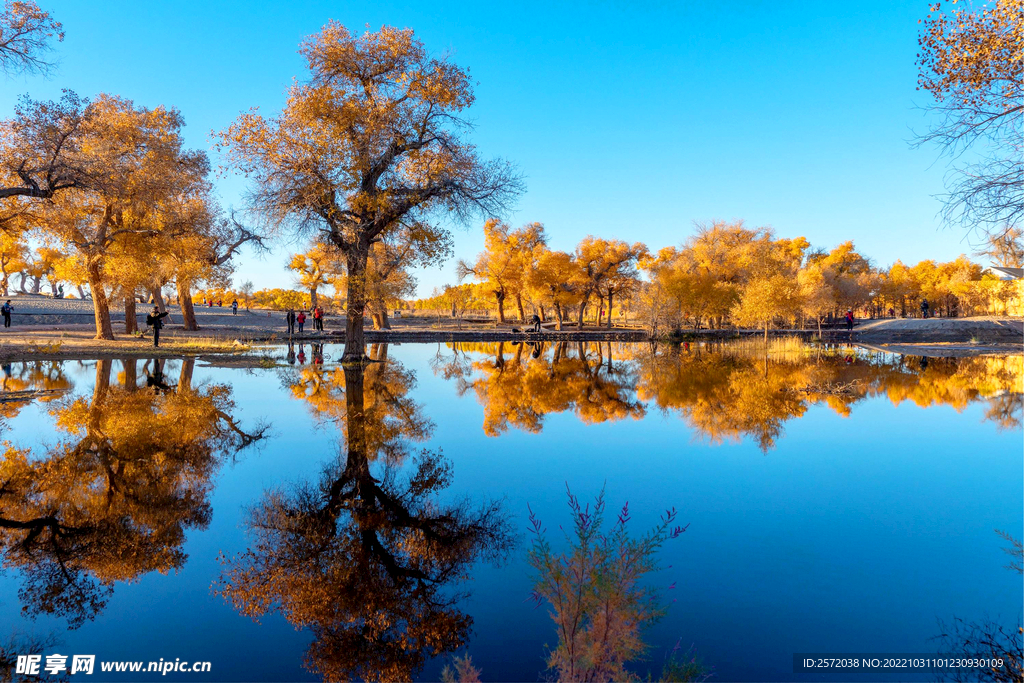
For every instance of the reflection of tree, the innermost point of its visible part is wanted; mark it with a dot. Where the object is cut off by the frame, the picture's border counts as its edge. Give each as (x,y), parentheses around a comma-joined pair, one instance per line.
(519,385)
(367,560)
(724,391)
(113,498)
(392,418)
(44,379)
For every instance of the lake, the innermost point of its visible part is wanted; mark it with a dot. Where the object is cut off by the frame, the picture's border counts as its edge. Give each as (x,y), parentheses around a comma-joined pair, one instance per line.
(285,518)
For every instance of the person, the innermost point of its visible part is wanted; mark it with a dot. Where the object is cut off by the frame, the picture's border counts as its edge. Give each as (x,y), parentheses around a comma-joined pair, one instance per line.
(892,312)
(210,304)
(849,319)
(6,310)
(314,313)
(289,318)
(234,307)
(320,318)
(924,308)
(156,321)
(536,322)
(301,320)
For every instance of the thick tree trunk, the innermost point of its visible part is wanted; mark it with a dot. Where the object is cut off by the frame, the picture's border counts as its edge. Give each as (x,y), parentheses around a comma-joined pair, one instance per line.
(131,325)
(5,284)
(543,317)
(312,297)
(385,320)
(558,314)
(100,307)
(37,283)
(610,309)
(188,311)
(500,297)
(583,309)
(519,304)
(158,299)
(355,306)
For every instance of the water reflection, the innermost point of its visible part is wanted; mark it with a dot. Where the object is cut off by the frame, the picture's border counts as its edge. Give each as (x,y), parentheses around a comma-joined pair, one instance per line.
(370,557)
(725,392)
(112,499)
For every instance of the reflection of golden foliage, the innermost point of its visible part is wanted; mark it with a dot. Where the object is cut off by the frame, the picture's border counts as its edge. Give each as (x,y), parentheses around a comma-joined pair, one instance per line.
(392,418)
(536,381)
(725,391)
(113,499)
(366,561)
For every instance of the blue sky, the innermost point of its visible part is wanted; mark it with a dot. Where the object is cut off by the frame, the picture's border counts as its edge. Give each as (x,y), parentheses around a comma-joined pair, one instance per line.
(628,120)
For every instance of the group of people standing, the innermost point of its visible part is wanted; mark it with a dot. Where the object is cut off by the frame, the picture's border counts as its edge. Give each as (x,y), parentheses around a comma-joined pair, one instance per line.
(298,319)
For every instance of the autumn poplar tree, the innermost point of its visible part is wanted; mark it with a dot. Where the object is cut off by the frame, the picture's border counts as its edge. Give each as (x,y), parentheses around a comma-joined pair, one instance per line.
(371,139)
(27,34)
(138,168)
(971,61)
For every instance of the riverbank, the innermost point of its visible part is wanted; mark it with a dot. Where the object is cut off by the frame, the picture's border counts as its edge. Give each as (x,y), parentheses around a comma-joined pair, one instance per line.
(48,328)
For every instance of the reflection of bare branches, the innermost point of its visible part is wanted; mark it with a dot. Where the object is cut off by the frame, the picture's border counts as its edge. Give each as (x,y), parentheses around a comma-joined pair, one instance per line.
(985,639)
(18,643)
(1016,551)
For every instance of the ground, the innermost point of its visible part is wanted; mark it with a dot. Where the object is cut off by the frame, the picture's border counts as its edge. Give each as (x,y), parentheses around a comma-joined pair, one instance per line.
(43,326)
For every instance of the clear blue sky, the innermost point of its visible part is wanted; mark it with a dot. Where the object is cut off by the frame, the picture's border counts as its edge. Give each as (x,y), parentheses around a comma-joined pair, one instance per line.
(628,120)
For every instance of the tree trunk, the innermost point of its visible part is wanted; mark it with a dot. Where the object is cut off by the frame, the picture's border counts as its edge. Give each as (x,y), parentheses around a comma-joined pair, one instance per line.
(131,325)
(312,297)
(610,309)
(543,318)
(100,307)
(131,374)
(5,284)
(37,283)
(519,304)
(355,305)
(81,292)
(158,299)
(188,312)
(583,308)
(558,314)
(500,297)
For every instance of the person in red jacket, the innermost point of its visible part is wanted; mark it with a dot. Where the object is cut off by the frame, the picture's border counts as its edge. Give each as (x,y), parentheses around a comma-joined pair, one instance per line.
(300,319)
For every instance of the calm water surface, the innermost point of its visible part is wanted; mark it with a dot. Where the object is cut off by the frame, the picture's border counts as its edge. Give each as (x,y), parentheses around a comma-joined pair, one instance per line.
(294,520)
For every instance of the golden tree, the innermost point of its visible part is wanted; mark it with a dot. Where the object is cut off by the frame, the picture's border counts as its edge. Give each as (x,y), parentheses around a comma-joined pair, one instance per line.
(13,258)
(144,173)
(315,268)
(556,280)
(41,153)
(26,35)
(971,61)
(508,257)
(371,141)
(607,266)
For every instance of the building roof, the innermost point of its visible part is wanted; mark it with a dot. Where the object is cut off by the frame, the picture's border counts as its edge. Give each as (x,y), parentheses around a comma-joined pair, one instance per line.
(1008,273)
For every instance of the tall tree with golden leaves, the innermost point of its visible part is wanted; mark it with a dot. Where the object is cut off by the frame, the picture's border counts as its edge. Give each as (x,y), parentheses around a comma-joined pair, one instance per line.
(371,140)
(26,37)
(971,61)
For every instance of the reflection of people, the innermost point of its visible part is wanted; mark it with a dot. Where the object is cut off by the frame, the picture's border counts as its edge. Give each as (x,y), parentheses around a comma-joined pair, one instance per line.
(302,353)
(291,354)
(155,379)
(318,354)
(156,321)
